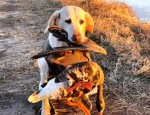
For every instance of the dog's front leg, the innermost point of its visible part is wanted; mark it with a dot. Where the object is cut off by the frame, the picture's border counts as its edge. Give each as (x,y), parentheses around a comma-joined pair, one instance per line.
(44,73)
(44,69)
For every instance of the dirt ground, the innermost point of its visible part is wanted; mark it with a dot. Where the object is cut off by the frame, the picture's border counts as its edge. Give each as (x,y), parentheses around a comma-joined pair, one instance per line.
(22,23)
(21,35)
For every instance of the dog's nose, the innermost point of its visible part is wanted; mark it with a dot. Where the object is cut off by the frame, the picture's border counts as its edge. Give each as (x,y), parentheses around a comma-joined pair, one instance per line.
(77,38)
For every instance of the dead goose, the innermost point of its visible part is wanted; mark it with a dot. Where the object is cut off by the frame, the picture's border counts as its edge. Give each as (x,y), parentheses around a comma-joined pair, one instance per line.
(73,84)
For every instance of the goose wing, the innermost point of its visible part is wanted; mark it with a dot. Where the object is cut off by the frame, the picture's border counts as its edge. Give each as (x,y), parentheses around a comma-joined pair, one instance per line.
(63,36)
(89,46)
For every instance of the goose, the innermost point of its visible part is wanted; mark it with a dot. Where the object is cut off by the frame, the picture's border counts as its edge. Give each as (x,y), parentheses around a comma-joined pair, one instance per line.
(73,85)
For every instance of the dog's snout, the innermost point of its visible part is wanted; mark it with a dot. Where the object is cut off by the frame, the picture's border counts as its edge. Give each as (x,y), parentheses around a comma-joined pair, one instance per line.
(77,38)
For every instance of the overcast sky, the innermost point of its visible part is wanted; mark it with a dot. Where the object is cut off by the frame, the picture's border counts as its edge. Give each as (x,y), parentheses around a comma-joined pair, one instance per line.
(138,3)
(141,8)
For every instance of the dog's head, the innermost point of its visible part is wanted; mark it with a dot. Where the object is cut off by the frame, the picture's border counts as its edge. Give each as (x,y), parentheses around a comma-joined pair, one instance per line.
(74,20)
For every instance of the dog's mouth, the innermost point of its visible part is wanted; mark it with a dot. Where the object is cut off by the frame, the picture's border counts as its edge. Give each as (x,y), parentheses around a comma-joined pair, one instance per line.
(78,38)
(62,35)
(80,41)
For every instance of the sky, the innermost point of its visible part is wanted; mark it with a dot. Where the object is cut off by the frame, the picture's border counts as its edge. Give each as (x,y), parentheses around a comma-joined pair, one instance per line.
(141,8)
(137,3)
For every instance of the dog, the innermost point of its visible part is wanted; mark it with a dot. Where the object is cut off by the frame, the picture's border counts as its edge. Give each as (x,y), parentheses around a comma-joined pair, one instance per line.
(73,84)
(75,21)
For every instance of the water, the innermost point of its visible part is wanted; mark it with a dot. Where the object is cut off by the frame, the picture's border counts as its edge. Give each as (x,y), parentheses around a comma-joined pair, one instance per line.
(141,8)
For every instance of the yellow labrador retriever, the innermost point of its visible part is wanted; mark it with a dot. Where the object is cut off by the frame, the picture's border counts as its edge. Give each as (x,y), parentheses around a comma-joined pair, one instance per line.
(75,21)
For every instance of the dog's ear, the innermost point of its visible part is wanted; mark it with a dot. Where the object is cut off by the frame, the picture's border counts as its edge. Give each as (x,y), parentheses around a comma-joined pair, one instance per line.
(89,22)
(52,20)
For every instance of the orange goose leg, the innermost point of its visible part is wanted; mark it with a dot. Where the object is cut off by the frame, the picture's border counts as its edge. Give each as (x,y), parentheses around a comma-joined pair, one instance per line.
(87,85)
(79,105)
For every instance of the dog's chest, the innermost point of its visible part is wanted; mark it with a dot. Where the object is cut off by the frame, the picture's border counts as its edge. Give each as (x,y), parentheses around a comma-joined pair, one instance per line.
(54,42)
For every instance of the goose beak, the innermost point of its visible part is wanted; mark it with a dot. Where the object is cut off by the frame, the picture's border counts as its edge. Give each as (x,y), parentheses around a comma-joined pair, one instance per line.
(94,47)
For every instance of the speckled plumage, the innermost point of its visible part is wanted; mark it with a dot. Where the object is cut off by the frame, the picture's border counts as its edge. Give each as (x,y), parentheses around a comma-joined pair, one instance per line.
(57,88)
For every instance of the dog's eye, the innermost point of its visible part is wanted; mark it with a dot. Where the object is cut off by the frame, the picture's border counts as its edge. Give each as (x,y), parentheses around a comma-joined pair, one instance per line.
(68,21)
(81,21)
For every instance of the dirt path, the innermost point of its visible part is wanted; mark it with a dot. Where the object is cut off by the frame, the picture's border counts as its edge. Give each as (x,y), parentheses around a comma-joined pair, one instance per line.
(20,37)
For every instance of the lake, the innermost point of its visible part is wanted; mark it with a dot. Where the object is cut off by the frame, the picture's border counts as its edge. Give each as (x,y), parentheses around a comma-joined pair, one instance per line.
(140,7)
